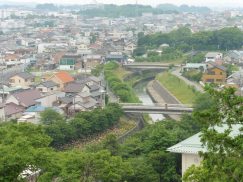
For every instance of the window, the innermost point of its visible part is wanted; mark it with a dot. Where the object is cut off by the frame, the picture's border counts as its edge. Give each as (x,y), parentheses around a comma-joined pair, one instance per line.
(218,80)
(210,80)
(221,73)
(52,89)
(211,73)
(19,81)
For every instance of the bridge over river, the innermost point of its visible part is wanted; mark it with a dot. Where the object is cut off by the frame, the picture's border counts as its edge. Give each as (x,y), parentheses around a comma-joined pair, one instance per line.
(145,65)
(156,108)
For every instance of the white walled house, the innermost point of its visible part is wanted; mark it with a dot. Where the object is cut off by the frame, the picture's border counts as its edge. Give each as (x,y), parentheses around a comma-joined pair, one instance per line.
(47,87)
(50,99)
(190,147)
(213,56)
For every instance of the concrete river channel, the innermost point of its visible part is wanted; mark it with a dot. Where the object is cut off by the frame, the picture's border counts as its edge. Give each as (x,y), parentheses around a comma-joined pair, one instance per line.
(140,90)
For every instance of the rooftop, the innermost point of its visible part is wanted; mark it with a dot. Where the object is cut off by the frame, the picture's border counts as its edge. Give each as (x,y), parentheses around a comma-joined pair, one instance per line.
(193,144)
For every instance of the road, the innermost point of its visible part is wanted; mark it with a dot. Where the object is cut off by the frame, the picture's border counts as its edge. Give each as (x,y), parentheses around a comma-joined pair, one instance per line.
(112,97)
(197,86)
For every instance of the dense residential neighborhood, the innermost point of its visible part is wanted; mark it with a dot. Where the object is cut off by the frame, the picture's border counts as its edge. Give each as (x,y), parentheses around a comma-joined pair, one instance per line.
(121,92)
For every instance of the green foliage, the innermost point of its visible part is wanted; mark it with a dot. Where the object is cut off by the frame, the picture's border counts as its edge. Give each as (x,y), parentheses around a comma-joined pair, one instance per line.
(114,11)
(97,70)
(139,51)
(230,69)
(120,88)
(22,145)
(46,6)
(49,116)
(168,54)
(223,159)
(198,58)
(148,147)
(111,144)
(100,166)
(25,145)
(182,39)
(84,124)
(183,92)
(193,75)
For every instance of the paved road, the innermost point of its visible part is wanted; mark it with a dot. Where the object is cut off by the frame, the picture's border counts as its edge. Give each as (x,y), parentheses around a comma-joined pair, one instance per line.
(197,86)
(112,97)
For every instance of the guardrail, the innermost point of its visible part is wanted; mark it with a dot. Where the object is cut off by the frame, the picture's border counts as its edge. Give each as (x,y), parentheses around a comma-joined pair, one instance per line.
(158,105)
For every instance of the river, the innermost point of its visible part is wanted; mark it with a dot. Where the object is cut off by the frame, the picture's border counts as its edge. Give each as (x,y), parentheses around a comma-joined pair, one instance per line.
(140,90)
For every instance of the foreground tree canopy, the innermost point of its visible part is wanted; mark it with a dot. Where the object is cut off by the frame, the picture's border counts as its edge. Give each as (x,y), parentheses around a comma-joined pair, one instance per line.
(223,160)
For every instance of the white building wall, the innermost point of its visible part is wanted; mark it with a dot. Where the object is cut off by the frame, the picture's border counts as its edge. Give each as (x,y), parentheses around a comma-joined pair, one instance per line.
(188,160)
(12,99)
(2,115)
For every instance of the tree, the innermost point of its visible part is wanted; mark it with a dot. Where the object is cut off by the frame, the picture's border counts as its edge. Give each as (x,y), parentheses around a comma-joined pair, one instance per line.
(164,164)
(88,167)
(223,159)
(111,144)
(49,116)
(23,145)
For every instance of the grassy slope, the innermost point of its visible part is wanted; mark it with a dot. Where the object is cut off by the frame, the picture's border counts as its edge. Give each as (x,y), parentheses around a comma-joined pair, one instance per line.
(178,88)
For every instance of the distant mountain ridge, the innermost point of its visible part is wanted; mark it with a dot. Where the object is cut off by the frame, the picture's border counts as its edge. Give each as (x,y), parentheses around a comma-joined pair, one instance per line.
(183,8)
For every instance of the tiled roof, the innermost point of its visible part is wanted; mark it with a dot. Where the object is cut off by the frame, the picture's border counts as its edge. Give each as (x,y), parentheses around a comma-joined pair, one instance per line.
(25,75)
(74,87)
(64,77)
(12,108)
(37,108)
(27,97)
(49,84)
(193,145)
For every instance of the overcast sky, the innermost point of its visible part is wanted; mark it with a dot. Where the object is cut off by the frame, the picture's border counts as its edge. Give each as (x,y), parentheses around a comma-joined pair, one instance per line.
(211,3)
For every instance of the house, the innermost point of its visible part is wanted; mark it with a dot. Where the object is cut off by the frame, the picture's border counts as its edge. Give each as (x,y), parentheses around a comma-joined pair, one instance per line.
(214,74)
(49,99)
(11,60)
(234,56)
(91,80)
(195,66)
(6,90)
(115,56)
(25,98)
(62,78)
(75,87)
(67,62)
(129,48)
(213,56)
(13,111)
(82,102)
(236,81)
(47,87)
(23,79)
(32,114)
(191,147)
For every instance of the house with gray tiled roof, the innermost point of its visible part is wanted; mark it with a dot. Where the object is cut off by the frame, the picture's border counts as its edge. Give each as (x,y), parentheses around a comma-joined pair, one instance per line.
(23,79)
(47,86)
